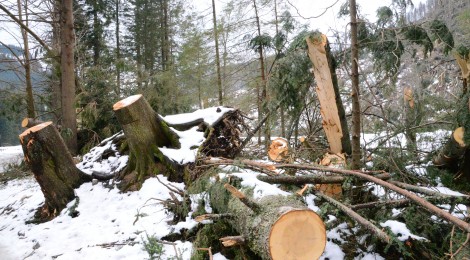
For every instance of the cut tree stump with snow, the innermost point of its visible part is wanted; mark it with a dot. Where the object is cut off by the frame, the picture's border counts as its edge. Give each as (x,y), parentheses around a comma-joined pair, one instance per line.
(453,150)
(274,227)
(53,167)
(146,132)
(169,145)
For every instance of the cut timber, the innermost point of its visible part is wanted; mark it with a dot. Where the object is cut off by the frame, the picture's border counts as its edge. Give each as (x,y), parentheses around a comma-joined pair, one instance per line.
(408,97)
(337,161)
(281,227)
(52,165)
(30,122)
(278,150)
(453,150)
(334,120)
(145,132)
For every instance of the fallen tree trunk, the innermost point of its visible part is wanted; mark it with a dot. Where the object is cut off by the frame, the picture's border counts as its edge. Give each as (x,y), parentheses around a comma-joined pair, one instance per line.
(145,132)
(453,151)
(363,175)
(274,227)
(53,167)
(311,179)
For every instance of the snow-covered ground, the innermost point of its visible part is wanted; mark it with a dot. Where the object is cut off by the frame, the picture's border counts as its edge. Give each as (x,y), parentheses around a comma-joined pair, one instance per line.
(10,155)
(113,225)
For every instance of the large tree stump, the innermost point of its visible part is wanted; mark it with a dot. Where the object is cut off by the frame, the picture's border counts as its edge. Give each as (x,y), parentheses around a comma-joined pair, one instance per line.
(145,132)
(274,227)
(52,165)
(453,151)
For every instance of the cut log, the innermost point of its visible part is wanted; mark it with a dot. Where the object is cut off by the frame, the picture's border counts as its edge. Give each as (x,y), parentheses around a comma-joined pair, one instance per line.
(53,167)
(278,150)
(30,122)
(145,132)
(279,227)
(453,151)
(332,111)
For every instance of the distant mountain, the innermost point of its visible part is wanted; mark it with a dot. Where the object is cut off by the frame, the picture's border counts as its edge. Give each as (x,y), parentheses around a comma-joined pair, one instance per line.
(12,75)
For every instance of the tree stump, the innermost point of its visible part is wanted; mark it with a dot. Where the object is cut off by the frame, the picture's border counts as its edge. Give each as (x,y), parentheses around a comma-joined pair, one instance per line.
(53,167)
(274,227)
(453,151)
(145,132)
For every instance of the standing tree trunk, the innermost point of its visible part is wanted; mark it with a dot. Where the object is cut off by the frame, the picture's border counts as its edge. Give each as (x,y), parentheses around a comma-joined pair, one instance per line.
(52,165)
(27,62)
(217,58)
(356,107)
(67,64)
(145,132)
(262,98)
(118,51)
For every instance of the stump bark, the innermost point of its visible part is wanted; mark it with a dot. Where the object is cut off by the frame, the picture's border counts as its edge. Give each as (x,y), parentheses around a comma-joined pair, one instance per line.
(274,227)
(145,132)
(453,151)
(53,167)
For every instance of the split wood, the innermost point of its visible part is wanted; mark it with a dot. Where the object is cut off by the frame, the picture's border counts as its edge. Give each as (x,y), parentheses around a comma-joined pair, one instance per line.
(363,175)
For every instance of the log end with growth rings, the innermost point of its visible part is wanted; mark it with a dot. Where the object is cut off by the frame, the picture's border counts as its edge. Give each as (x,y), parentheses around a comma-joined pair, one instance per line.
(297,234)
(126,102)
(33,129)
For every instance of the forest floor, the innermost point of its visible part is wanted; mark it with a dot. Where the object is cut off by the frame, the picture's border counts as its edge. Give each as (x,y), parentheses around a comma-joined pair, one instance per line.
(103,223)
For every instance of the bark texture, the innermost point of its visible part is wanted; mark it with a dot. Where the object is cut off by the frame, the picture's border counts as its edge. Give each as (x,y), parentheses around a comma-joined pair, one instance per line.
(145,132)
(52,165)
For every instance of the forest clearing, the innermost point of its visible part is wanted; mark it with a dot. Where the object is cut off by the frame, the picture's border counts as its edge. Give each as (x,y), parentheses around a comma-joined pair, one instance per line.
(155,130)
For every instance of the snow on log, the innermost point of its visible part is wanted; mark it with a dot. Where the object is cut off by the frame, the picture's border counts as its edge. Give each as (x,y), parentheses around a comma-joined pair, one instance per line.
(453,150)
(274,226)
(53,167)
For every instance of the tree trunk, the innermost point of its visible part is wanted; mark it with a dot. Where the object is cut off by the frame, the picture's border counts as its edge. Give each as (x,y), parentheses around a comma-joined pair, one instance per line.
(145,132)
(27,62)
(67,64)
(118,52)
(274,227)
(262,98)
(453,151)
(335,127)
(52,165)
(356,107)
(217,58)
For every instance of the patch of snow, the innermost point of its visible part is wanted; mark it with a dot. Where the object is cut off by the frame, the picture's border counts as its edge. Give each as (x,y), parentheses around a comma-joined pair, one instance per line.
(310,201)
(106,216)
(400,229)
(370,256)
(209,115)
(10,155)
(94,161)
(332,251)
(261,188)
(219,256)
(190,141)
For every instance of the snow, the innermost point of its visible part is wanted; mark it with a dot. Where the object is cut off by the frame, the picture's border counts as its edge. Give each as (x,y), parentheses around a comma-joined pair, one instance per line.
(93,161)
(10,155)
(105,216)
(400,230)
(209,115)
(113,225)
(190,140)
